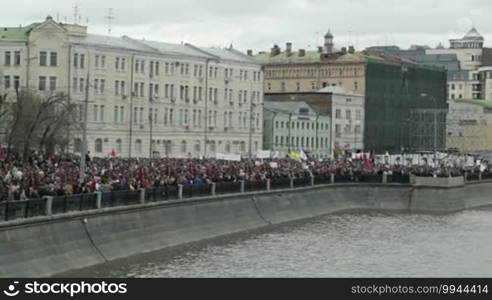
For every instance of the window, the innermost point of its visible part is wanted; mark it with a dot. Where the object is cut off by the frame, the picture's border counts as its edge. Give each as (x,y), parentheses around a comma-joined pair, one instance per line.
(98,147)
(138,146)
(52,83)
(338,114)
(337,128)
(118,146)
(7,58)
(6,82)
(16,82)
(75,60)
(282,86)
(53,59)
(348,114)
(82,61)
(103,61)
(358,115)
(183,146)
(17,58)
(42,58)
(298,86)
(42,83)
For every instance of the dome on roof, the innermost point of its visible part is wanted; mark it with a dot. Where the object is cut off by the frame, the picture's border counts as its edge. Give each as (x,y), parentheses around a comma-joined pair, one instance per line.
(473,35)
(328,35)
(440,46)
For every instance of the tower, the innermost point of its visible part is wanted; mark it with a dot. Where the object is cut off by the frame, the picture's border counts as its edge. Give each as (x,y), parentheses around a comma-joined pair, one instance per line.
(328,42)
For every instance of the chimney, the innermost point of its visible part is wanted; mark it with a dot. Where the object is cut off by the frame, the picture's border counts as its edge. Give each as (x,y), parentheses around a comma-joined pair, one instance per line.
(250,52)
(344,50)
(275,50)
(351,50)
(320,49)
(302,52)
(288,48)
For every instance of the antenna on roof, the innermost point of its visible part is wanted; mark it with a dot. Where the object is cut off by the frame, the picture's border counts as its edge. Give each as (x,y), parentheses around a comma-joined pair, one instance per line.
(57,16)
(110,18)
(75,13)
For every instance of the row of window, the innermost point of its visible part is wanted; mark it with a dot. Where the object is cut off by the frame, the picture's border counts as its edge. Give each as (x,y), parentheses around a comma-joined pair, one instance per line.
(167,146)
(169,90)
(186,117)
(8,61)
(11,81)
(303,142)
(301,125)
(347,129)
(311,72)
(348,114)
(170,68)
(314,87)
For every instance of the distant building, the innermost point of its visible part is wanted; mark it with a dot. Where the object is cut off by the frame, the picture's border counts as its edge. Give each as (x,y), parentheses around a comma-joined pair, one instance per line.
(392,88)
(469,125)
(345,109)
(173,100)
(295,126)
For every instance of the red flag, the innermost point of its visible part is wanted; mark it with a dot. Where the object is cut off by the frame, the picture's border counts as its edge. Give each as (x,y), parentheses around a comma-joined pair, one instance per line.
(113,153)
(368,164)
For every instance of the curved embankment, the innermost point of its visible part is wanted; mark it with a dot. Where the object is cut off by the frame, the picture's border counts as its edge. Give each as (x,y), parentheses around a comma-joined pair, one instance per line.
(51,245)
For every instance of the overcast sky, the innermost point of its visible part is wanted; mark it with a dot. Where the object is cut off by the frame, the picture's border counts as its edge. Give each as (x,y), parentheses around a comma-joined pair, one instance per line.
(258,24)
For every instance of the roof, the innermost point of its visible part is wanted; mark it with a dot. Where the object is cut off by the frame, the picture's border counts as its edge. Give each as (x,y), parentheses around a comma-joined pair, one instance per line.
(337,90)
(473,35)
(107,41)
(283,58)
(286,106)
(15,34)
(484,103)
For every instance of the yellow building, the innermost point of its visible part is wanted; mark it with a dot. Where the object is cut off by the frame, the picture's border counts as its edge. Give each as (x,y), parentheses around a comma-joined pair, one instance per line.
(307,71)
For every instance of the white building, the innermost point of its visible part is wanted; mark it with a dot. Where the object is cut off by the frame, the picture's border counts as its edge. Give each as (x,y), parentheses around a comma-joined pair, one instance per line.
(348,117)
(192,101)
(295,126)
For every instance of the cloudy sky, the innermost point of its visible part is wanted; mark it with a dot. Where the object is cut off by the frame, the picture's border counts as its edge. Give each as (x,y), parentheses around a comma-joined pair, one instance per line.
(258,24)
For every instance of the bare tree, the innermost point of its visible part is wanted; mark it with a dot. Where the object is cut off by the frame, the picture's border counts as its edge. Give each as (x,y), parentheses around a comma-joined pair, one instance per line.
(35,119)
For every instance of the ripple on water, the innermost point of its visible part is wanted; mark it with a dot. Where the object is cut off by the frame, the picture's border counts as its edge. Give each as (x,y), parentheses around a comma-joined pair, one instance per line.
(346,245)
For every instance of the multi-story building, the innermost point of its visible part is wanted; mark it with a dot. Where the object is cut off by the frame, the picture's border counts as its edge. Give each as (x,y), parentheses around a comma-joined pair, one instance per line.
(345,110)
(145,97)
(295,126)
(398,92)
(469,125)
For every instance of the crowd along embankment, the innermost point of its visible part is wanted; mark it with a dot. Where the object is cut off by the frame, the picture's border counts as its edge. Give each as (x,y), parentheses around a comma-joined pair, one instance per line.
(49,245)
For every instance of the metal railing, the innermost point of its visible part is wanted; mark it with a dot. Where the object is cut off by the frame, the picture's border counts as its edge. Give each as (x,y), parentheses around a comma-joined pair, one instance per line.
(11,210)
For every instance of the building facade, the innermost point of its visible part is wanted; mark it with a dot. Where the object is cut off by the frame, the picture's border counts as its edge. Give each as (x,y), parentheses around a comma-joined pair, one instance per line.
(295,126)
(145,98)
(345,109)
(469,125)
(393,89)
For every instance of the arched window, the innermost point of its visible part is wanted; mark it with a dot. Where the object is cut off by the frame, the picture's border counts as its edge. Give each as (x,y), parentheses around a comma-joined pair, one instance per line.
(197,146)
(138,146)
(118,146)
(77,145)
(243,146)
(183,146)
(98,146)
(212,147)
(228,147)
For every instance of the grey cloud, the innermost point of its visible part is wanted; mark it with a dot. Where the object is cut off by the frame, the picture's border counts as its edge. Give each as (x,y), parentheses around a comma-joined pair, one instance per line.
(258,24)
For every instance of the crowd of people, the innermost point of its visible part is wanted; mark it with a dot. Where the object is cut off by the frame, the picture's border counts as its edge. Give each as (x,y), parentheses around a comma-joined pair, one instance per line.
(56,176)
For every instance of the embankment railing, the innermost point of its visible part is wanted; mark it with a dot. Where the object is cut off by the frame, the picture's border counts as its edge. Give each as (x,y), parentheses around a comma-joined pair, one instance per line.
(55,205)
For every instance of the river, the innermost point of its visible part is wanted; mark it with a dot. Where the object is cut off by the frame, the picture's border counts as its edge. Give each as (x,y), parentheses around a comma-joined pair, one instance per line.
(343,245)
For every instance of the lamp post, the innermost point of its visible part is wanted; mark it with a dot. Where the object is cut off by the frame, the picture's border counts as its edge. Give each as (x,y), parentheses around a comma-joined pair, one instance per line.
(150,132)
